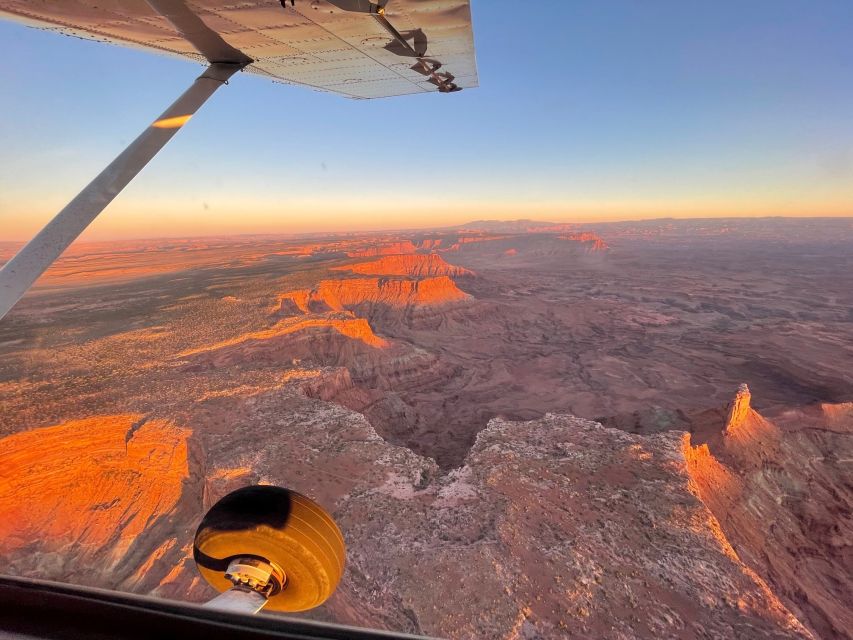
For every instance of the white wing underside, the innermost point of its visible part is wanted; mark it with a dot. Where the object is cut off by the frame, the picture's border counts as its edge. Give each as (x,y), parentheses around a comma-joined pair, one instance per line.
(313,43)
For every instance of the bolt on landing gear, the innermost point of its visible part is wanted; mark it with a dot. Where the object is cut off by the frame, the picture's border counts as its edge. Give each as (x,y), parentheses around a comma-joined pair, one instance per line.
(269,547)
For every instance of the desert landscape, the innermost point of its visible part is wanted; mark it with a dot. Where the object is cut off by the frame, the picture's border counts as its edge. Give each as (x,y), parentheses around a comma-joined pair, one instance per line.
(524,429)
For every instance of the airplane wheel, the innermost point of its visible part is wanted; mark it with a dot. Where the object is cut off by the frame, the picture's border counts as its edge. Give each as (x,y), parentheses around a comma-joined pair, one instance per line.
(281,527)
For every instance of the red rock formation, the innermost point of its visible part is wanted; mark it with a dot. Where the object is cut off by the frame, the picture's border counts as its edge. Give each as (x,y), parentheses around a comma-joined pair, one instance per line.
(354,328)
(484,238)
(292,302)
(326,384)
(340,295)
(594,241)
(779,495)
(456,243)
(418,265)
(739,410)
(838,416)
(389,249)
(96,486)
(747,436)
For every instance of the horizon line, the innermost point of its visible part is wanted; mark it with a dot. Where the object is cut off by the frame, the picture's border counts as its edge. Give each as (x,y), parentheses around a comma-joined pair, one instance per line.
(436,229)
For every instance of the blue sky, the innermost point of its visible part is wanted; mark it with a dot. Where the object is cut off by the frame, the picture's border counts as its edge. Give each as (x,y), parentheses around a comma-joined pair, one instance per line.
(586,110)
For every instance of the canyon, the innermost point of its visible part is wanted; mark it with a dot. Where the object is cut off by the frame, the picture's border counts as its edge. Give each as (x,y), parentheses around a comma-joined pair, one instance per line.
(543,420)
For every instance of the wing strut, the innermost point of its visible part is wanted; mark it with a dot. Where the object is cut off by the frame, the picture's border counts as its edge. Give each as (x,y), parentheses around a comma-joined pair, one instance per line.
(38,254)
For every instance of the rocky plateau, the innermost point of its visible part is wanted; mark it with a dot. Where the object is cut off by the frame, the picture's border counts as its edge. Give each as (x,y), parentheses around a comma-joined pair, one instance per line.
(525,430)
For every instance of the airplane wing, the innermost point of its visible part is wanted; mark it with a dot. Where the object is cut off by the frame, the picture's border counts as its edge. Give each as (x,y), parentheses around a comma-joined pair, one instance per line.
(356,48)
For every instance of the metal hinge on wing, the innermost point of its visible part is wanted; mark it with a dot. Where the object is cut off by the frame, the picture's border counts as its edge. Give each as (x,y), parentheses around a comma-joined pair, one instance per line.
(444,80)
(418,49)
(356,6)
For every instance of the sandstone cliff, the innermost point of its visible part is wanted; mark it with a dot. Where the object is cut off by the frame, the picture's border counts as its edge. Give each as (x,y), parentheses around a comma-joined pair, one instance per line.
(593,242)
(552,528)
(781,491)
(351,327)
(339,295)
(420,266)
(95,501)
(389,249)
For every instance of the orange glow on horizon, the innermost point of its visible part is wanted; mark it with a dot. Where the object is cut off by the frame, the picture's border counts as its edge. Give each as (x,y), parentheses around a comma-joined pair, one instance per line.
(198,216)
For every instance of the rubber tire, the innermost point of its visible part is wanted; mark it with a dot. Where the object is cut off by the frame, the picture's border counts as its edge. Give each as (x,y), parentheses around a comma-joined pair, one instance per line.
(280,526)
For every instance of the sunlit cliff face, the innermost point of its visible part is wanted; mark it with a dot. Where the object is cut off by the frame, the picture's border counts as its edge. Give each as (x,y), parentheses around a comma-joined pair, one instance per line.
(341,294)
(419,265)
(739,412)
(89,487)
(592,240)
(713,482)
(394,248)
(775,492)
(349,327)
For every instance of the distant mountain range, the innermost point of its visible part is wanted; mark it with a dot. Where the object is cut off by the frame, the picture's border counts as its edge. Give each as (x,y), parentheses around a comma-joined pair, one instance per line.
(513,226)
(786,229)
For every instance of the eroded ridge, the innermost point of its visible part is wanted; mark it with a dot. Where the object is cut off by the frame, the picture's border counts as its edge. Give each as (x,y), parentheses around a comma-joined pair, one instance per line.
(347,326)
(350,293)
(78,499)
(392,248)
(417,265)
(780,490)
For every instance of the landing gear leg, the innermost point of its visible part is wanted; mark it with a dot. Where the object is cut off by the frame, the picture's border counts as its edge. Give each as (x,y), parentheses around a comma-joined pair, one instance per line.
(254,582)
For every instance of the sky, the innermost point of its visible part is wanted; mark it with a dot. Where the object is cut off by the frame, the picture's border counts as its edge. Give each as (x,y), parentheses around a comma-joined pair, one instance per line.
(586,111)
